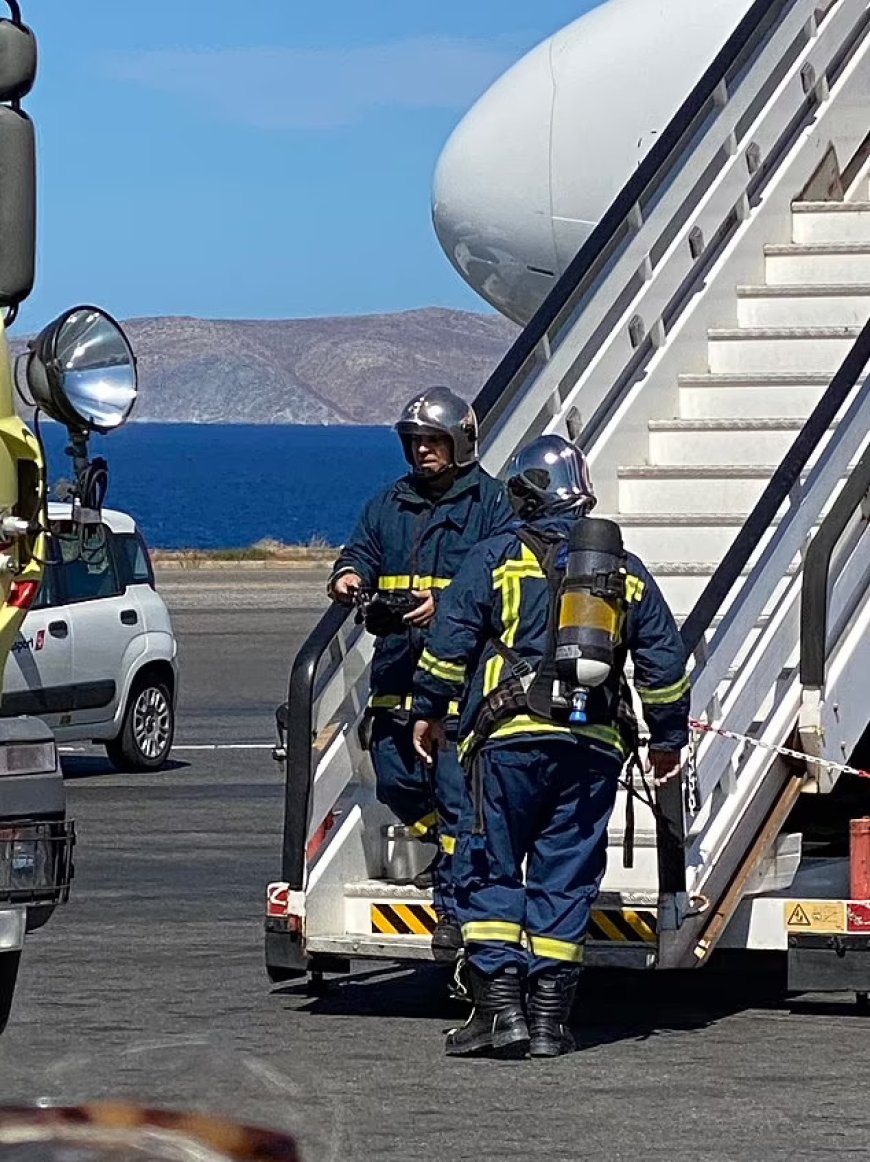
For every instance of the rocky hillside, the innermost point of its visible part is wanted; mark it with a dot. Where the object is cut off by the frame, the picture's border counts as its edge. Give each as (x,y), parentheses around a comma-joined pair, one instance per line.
(353,370)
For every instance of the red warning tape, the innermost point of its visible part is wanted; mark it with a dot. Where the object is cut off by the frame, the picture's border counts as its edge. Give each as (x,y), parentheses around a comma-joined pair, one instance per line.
(827,764)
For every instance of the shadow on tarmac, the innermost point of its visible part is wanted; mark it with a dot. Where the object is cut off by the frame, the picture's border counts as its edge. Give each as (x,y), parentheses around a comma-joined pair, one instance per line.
(89,766)
(612,1005)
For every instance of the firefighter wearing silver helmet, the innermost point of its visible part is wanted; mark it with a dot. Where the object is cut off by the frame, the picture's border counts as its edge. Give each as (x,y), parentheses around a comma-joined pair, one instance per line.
(408,546)
(550,475)
(523,621)
(439,412)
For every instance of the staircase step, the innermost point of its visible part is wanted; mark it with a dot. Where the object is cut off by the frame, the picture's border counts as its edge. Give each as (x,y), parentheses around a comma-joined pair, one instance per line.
(691,489)
(699,441)
(831,222)
(817,349)
(707,535)
(823,262)
(750,394)
(683,582)
(804,305)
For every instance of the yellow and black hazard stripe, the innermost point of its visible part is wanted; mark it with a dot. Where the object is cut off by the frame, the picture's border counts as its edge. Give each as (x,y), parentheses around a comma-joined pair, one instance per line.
(622,926)
(610,926)
(403,919)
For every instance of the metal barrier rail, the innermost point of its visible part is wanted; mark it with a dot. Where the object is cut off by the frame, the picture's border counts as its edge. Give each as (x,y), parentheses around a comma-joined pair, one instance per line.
(814,593)
(300,736)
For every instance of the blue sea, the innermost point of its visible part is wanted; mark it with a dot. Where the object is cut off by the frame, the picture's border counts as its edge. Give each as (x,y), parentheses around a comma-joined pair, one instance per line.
(215,486)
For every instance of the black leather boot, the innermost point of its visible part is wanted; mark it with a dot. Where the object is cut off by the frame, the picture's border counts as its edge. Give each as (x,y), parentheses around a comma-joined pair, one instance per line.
(497,1025)
(425,879)
(446,940)
(551,995)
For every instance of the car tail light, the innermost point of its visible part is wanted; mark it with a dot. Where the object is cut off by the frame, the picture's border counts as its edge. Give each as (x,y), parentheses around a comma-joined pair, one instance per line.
(22,594)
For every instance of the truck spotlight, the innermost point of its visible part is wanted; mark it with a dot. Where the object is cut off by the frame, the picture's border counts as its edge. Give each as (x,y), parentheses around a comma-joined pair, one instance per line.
(82,372)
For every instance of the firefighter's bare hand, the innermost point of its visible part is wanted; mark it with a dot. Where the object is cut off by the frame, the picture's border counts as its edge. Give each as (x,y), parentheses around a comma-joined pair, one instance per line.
(345,587)
(425,611)
(664,764)
(429,738)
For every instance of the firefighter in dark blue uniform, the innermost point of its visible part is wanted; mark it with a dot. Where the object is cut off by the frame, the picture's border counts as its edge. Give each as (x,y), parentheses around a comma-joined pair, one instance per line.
(407,547)
(543,787)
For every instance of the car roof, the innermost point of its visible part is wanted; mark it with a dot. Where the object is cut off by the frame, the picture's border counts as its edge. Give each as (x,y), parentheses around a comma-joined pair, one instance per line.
(118,522)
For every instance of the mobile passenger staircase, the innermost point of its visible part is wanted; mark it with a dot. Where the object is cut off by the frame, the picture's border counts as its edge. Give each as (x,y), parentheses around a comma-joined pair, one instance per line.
(709,348)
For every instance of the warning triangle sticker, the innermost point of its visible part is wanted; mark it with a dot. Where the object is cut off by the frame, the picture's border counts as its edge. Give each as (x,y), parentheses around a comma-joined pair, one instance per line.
(798,918)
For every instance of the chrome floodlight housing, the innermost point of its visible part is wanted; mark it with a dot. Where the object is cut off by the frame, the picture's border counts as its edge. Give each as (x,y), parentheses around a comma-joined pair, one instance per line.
(81,371)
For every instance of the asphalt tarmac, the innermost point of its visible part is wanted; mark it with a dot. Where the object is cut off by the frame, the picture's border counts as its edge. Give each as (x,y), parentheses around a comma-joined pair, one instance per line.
(150,983)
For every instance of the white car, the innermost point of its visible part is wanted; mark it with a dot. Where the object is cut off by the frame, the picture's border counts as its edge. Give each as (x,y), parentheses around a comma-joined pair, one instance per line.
(96,655)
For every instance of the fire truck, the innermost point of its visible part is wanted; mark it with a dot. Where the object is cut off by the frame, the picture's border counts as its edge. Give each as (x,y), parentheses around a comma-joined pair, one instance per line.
(79,371)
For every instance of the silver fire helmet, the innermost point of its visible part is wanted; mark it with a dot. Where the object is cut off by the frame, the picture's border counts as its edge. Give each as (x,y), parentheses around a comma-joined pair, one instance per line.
(549,476)
(439,411)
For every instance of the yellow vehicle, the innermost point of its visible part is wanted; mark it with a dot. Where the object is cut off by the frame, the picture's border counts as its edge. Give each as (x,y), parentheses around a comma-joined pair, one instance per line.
(79,371)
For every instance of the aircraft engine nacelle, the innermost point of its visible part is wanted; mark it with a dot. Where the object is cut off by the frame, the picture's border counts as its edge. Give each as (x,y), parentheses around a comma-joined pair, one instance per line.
(536,162)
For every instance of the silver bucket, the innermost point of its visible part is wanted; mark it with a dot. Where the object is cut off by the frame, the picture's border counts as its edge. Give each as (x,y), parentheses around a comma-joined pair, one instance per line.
(405,854)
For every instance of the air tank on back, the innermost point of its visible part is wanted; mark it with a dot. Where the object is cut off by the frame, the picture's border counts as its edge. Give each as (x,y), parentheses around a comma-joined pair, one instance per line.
(590,612)
(536,162)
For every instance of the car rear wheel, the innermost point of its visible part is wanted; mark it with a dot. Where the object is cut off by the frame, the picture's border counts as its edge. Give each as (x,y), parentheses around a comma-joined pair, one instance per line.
(149,726)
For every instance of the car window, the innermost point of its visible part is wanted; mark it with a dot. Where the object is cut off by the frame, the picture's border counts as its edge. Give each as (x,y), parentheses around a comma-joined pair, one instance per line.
(88,565)
(133,562)
(48,590)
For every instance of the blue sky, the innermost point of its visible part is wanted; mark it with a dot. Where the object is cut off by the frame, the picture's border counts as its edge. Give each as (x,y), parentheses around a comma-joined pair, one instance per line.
(256,160)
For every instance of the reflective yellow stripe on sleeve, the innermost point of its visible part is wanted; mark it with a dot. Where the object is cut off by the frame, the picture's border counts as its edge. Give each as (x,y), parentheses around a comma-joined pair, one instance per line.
(406,581)
(397,581)
(447,844)
(556,949)
(664,695)
(439,668)
(431,582)
(486,931)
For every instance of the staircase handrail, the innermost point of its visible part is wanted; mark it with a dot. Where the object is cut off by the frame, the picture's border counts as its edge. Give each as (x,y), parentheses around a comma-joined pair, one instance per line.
(815,589)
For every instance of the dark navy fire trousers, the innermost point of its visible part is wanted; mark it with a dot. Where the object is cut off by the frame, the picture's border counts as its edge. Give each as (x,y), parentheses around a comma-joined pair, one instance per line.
(430,801)
(545,802)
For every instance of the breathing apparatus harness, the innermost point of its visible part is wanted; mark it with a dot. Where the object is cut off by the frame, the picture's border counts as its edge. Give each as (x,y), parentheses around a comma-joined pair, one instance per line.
(581,669)
(584,652)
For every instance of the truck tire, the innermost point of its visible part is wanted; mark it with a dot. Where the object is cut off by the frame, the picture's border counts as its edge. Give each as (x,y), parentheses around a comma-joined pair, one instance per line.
(146,735)
(8,976)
